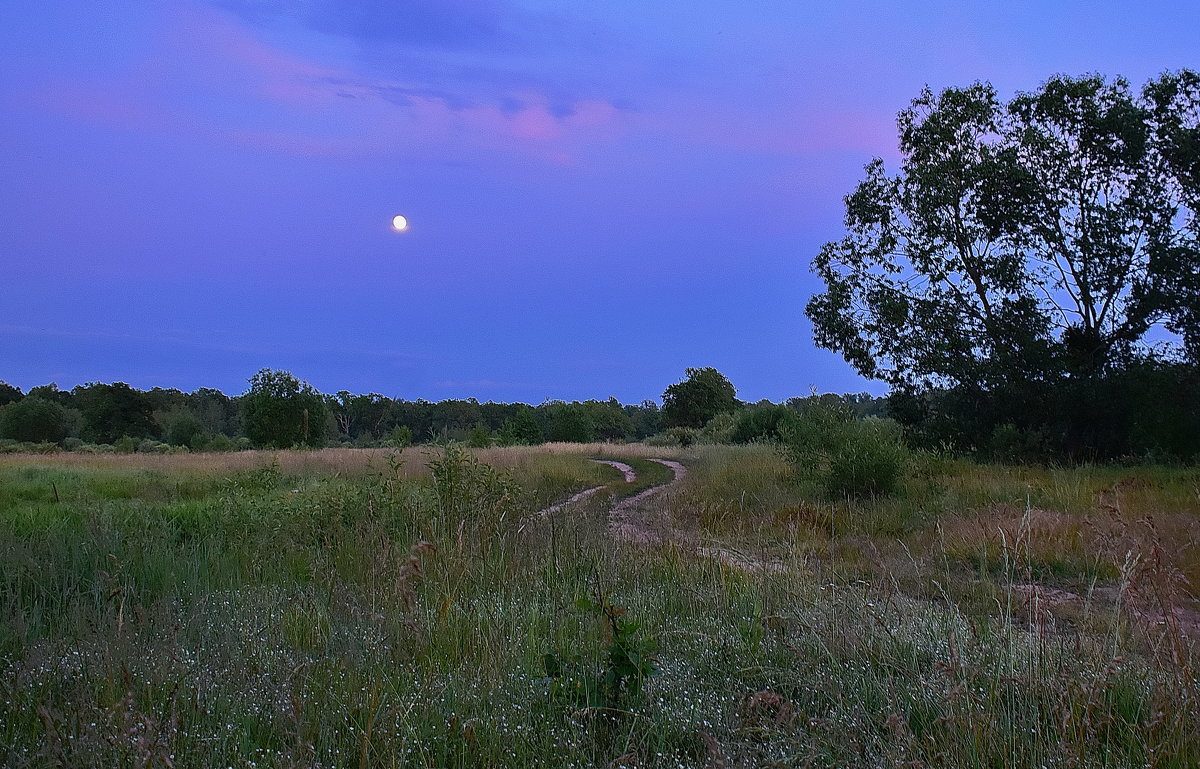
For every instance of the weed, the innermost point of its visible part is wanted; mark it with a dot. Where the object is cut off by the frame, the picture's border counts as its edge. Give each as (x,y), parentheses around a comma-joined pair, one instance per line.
(626,662)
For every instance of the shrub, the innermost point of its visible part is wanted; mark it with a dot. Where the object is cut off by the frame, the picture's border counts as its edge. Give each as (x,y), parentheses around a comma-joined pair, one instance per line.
(719,429)
(400,437)
(479,437)
(184,429)
(1011,444)
(868,463)
(762,423)
(684,436)
(848,457)
(661,440)
(34,419)
(473,497)
(219,442)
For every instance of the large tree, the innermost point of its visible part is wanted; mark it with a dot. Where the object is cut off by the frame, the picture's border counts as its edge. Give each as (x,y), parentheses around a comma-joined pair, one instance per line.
(280,411)
(34,419)
(112,411)
(1037,241)
(698,398)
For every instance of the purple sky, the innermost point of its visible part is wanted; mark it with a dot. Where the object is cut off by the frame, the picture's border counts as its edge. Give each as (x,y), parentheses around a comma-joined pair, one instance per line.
(600,194)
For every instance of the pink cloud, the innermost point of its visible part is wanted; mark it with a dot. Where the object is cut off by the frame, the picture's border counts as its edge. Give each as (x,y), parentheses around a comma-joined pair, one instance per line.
(211,76)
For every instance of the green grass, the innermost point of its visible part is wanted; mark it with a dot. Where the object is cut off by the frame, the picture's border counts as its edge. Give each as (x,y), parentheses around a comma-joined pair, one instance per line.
(292,614)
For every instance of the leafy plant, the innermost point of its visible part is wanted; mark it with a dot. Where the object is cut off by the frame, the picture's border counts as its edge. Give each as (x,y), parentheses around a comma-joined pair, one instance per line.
(626,661)
(471,492)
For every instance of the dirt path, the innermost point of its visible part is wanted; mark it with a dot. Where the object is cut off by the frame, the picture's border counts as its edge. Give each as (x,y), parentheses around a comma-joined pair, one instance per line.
(634,520)
(638,520)
(626,470)
(630,521)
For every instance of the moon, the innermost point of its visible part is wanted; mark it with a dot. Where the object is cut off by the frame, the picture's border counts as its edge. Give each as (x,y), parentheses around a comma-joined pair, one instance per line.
(399,223)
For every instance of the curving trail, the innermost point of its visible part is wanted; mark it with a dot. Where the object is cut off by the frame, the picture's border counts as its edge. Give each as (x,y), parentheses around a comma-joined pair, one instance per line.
(635,521)
(628,520)
(626,470)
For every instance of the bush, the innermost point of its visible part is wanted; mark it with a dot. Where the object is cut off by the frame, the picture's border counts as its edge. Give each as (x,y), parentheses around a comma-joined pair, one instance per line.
(762,423)
(34,419)
(661,440)
(400,437)
(184,429)
(869,462)
(719,429)
(684,436)
(219,442)
(848,457)
(1011,444)
(479,437)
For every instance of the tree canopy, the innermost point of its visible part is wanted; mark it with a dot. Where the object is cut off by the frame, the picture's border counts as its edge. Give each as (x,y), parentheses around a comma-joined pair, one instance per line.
(698,398)
(34,419)
(1034,240)
(9,394)
(282,412)
(112,411)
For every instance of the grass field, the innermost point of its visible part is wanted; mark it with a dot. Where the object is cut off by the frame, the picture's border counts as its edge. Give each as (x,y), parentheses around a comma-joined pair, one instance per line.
(370,609)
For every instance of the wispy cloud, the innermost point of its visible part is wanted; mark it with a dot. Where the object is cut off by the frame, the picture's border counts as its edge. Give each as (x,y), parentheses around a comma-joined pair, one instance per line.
(444,80)
(488,25)
(214,76)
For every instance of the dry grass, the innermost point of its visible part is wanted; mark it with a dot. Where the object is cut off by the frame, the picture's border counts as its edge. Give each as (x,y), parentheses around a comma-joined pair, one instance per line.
(349,461)
(334,460)
(608,450)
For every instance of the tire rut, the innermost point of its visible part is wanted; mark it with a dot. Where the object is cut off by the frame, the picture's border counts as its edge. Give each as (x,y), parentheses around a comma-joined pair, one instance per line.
(630,521)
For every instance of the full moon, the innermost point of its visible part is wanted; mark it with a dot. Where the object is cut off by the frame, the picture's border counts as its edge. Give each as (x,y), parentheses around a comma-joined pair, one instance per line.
(399,223)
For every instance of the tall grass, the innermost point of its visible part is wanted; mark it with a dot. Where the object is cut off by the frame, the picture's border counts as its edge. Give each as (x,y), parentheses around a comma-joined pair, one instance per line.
(319,610)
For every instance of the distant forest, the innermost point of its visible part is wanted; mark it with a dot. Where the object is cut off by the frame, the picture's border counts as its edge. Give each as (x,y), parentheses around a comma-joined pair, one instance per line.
(118,417)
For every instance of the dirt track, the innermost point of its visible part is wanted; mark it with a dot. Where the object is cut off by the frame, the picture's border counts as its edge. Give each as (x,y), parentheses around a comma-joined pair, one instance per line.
(636,521)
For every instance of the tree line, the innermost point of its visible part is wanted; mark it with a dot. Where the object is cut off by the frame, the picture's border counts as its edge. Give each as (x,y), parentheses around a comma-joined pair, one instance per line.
(278,410)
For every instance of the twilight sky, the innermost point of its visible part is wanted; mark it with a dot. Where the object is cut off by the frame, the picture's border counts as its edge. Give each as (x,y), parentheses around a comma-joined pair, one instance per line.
(600,194)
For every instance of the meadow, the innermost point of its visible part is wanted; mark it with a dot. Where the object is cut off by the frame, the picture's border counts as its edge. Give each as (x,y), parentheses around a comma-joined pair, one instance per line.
(376,608)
